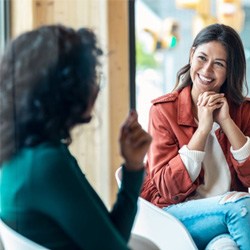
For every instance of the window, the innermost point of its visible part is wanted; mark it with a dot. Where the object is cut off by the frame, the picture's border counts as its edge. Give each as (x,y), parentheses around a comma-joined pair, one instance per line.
(164,32)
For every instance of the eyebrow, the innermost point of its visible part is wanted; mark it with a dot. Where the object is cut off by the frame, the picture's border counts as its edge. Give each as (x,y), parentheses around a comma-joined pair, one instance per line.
(217,59)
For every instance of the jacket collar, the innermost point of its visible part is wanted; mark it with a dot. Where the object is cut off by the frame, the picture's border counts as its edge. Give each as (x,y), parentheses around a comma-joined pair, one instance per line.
(185,113)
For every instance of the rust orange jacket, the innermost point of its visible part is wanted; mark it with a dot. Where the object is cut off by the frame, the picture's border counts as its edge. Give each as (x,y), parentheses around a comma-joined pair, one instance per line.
(172,124)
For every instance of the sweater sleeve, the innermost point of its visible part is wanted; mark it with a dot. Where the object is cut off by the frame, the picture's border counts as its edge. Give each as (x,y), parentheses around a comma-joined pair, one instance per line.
(125,206)
(62,192)
(192,160)
(243,153)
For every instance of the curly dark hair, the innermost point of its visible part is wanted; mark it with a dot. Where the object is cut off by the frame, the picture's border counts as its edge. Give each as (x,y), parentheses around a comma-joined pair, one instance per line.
(236,61)
(47,79)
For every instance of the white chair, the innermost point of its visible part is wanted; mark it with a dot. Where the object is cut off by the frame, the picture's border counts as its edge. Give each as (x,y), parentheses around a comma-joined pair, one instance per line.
(166,231)
(137,242)
(1,244)
(12,240)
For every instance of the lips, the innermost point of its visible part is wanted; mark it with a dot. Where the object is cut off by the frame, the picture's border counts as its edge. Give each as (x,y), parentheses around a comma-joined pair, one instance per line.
(205,80)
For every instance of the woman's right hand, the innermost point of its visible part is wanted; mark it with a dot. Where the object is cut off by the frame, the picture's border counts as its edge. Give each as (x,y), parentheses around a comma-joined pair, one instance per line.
(207,103)
(134,142)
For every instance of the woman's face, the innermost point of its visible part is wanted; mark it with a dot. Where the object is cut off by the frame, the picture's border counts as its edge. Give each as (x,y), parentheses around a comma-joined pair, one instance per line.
(208,67)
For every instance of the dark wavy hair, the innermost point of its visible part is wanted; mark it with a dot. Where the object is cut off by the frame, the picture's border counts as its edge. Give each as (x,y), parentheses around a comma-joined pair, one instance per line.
(47,79)
(233,87)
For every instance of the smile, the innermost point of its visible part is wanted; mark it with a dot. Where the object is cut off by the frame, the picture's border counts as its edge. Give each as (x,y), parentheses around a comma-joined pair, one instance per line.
(205,80)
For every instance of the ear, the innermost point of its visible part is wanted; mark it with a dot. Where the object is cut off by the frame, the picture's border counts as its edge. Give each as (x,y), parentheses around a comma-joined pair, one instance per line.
(191,54)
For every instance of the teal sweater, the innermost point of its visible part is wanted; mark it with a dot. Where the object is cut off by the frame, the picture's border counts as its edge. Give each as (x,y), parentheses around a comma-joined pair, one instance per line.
(46,197)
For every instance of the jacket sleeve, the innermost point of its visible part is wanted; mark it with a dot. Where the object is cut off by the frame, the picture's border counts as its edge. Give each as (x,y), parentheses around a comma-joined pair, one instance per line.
(243,121)
(166,167)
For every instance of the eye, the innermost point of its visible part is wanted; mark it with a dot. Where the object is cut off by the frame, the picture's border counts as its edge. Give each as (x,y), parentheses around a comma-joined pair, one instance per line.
(202,58)
(219,64)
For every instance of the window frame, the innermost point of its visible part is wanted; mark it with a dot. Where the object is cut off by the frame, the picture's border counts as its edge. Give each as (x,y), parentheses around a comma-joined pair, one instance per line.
(4,23)
(132,53)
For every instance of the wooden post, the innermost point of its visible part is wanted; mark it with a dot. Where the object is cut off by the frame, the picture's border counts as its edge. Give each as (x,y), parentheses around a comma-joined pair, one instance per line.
(118,78)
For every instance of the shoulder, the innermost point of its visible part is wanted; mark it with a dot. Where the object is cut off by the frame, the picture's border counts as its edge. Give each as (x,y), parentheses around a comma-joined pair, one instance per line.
(48,158)
(170,97)
(245,105)
(49,151)
(241,113)
(164,106)
(247,100)
(50,163)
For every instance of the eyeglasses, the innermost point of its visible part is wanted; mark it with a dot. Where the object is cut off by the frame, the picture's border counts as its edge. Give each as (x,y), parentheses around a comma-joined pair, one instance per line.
(100,80)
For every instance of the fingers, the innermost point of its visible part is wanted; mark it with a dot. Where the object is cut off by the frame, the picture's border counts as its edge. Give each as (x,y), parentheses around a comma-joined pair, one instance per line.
(131,120)
(210,98)
(132,132)
(138,138)
(129,123)
(134,142)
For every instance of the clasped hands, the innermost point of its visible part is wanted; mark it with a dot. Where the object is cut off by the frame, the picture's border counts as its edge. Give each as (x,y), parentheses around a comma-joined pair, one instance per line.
(212,107)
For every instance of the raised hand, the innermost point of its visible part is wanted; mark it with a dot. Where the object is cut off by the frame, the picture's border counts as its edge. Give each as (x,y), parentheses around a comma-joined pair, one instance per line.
(134,142)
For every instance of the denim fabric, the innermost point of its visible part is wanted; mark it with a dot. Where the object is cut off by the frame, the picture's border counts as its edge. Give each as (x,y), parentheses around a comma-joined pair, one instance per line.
(207,218)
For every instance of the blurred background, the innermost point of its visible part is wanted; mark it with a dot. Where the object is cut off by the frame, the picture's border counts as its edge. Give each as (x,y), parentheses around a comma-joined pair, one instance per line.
(164,35)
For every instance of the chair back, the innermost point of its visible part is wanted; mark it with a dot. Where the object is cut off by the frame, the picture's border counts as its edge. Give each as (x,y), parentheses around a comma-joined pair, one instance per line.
(138,242)
(12,240)
(1,243)
(165,230)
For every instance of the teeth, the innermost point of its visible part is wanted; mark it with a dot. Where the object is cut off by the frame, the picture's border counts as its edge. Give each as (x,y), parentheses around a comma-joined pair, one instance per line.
(205,79)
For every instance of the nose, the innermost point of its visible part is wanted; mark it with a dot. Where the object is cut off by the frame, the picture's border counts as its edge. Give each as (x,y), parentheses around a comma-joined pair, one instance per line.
(208,66)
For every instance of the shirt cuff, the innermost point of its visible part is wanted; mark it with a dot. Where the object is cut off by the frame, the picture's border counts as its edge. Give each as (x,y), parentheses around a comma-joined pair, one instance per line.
(243,153)
(192,160)
(132,180)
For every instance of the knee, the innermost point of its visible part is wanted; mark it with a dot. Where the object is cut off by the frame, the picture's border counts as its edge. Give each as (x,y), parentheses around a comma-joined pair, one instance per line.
(224,241)
(239,202)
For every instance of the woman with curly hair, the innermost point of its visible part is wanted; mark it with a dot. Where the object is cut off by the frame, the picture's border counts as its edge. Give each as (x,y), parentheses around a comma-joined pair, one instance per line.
(48,85)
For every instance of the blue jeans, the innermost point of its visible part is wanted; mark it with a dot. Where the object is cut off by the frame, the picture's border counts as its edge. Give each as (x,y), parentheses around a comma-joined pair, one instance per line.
(207,218)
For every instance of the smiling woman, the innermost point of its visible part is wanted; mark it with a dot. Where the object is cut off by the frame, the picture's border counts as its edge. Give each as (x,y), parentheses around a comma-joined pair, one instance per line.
(199,160)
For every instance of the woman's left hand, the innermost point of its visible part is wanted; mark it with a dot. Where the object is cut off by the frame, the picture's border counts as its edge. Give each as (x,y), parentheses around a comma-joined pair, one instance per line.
(222,114)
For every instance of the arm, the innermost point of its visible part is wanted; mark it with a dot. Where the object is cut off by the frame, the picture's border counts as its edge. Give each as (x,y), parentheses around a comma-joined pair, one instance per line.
(237,131)
(166,168)
(71,202)
(134,144)
(235,136)
(240,146)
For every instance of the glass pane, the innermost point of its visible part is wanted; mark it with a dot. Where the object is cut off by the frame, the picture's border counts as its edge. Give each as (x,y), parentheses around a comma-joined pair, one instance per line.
(164,35)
